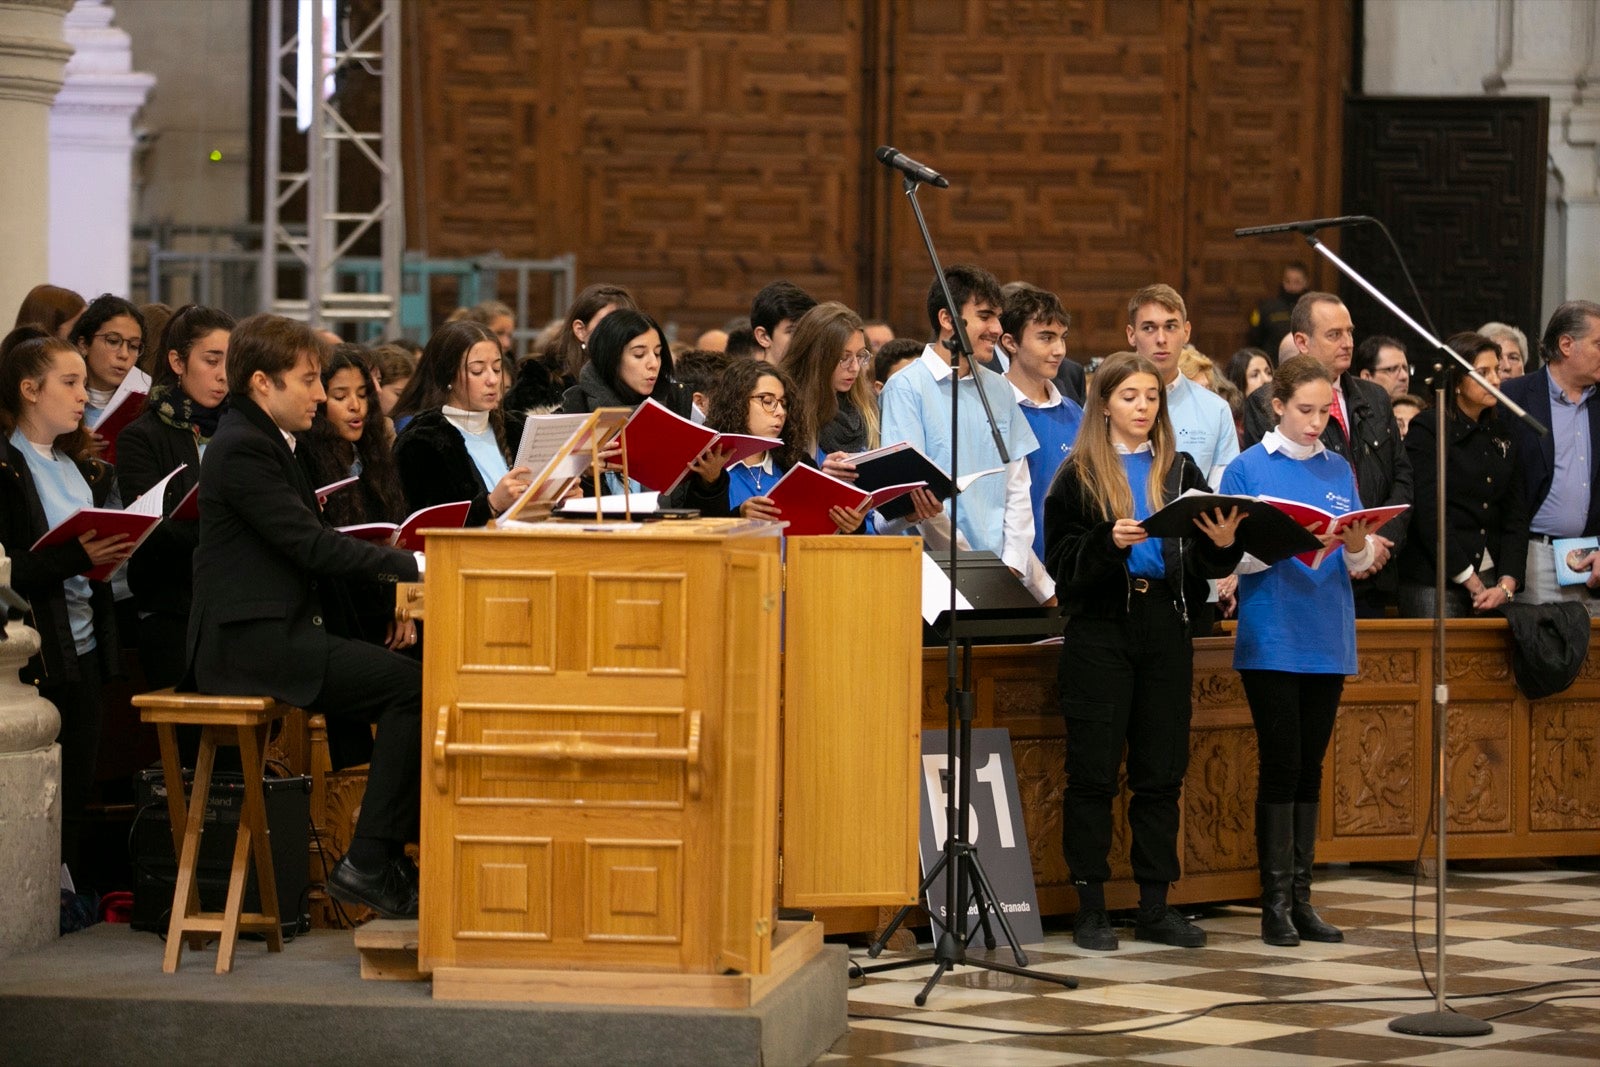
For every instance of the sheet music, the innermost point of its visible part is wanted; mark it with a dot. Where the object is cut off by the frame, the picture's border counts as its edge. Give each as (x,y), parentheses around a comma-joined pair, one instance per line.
(152,502)
(936,591)
(542,438)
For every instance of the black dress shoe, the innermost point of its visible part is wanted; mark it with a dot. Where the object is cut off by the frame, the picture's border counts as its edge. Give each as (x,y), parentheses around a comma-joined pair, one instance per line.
(386,890)
(408,870)
(1169,927)
(1092,930)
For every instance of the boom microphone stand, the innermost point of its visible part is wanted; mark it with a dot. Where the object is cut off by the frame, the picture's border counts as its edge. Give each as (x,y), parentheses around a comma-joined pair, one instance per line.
(959,860)
(1442,1021)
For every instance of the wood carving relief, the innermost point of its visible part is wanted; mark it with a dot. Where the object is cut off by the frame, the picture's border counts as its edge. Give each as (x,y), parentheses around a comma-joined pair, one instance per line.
(1477,747)
(1373,760)
(1478,666)
(1387,668)
(1041,781)
(1217,690)
(1565,749)
(1219,801)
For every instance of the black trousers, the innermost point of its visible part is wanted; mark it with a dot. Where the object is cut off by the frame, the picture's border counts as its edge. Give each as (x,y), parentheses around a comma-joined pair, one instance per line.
(82,707)
(1126,682)
(371,684)
(1294,715)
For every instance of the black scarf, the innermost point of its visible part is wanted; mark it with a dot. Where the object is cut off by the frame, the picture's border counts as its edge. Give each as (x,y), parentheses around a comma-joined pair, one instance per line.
(177,409)
(846,431)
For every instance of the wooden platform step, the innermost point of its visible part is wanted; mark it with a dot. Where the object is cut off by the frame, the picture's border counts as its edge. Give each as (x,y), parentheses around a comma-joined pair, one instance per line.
(388,950)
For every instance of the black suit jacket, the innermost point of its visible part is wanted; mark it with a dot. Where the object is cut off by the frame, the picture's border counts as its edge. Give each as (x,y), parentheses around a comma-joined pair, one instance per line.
(258,623)
(1536,455)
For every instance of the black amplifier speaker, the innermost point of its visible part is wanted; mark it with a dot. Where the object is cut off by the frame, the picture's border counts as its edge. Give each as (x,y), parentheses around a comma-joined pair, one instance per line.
(155,868)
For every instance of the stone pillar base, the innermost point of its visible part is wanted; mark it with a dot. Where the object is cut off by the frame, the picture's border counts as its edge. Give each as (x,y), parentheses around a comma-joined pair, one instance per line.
(30,841)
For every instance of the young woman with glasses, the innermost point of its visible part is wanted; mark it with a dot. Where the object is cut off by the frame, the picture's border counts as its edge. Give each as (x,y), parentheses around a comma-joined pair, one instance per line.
(754,397)
(110,337)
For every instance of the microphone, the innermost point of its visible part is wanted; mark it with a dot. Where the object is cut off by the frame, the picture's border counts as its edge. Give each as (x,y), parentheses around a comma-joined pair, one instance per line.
(917,172)
(1303,227)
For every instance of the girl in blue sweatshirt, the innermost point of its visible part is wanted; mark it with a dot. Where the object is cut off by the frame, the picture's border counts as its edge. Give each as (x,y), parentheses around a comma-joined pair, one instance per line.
(1295,644)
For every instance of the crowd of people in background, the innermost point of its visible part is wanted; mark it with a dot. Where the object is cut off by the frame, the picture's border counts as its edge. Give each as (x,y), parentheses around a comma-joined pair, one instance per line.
(1080,455)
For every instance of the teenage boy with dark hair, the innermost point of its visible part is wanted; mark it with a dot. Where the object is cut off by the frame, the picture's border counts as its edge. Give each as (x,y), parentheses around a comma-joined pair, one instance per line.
(894,357)
(773,313)
(260,625)
(697,370)
(996,512)
(1033,334)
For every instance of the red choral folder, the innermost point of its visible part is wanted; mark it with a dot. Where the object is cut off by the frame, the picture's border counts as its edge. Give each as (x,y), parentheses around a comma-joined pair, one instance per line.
(139,518)
(408,534)
(188,509)
(1324,522)
(661,444)
(123,407)
(804,495)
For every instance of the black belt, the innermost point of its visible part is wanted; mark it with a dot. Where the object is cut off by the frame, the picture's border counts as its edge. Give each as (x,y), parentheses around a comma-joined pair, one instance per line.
(1147,586)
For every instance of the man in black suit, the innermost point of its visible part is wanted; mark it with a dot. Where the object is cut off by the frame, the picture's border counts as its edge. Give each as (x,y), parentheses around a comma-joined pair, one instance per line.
(260,623)
(1361,428)
(1560,478)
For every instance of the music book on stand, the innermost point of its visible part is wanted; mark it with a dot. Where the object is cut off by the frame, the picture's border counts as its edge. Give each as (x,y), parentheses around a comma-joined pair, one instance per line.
(559,450)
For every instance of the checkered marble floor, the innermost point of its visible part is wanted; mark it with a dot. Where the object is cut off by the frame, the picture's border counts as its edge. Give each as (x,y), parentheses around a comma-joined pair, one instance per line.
(1506,930)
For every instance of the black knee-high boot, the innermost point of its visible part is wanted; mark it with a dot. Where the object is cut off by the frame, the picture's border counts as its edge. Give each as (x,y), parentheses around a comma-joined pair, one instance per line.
(1275,853)
(1307,923)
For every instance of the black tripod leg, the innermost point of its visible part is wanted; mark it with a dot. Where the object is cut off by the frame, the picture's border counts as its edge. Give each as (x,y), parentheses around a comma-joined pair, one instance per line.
(938,973)
(876,948)
(981,880)
(983,896)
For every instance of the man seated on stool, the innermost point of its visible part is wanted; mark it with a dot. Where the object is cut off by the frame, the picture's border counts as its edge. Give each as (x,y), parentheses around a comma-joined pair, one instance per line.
(259,625)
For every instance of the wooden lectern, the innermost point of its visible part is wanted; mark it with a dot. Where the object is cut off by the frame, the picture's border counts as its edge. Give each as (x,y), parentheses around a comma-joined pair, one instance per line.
(601,755)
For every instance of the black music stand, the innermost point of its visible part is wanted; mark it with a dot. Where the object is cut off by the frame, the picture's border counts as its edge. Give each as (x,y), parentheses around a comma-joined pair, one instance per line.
(1002,610)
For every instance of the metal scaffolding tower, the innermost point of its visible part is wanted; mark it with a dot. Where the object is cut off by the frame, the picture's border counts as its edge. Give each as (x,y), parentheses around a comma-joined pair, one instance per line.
(298,98)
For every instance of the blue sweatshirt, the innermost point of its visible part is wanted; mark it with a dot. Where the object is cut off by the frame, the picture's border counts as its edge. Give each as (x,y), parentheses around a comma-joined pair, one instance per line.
(1291,617)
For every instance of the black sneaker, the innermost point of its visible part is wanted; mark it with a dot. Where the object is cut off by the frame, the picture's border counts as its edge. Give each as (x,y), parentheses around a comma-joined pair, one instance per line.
(1170,928)
(1092,930)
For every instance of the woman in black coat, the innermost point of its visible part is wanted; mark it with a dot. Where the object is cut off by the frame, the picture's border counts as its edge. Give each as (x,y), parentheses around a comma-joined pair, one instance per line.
(187,398)
(459,444)
(1486,524)
(47,473)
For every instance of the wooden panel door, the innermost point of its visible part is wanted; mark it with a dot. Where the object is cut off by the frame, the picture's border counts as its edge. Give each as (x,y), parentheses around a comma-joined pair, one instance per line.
(1460,182)
(852,721)
(568,822)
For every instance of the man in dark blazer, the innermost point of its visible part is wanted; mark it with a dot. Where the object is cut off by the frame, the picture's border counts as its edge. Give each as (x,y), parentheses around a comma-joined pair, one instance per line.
(1361,429)
(1560,478)
(260,622)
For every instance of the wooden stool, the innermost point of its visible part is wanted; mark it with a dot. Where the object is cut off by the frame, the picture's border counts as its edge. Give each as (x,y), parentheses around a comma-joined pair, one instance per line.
(224,720)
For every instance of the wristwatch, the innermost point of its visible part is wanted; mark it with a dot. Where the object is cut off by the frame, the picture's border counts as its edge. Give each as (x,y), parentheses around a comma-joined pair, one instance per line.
(1509,592)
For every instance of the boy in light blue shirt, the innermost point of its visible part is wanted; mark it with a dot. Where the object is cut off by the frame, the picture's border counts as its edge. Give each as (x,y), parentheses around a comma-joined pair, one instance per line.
(1202,422)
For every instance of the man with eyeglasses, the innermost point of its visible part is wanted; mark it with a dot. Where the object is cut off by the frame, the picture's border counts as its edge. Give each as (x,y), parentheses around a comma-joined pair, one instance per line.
(996,512)
(1361,428)
(1383,360)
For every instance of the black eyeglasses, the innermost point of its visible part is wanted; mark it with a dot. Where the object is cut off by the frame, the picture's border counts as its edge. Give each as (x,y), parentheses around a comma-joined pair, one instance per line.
(116,340)
(770,402)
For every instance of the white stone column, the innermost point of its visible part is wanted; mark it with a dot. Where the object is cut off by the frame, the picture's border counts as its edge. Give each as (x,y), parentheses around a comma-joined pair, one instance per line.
(32,54)
(91,155)
(30,799)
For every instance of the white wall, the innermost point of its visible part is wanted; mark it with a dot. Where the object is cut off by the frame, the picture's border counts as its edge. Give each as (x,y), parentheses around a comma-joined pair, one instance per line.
(1547,48)
(199,51)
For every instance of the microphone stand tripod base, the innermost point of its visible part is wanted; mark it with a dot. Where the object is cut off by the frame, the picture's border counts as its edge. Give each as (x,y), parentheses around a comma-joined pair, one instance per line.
(1440,1024)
